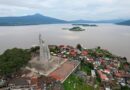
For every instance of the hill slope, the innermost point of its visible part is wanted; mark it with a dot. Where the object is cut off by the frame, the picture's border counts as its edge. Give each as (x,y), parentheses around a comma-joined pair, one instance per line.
(29,20)
(124,23)
(37,19)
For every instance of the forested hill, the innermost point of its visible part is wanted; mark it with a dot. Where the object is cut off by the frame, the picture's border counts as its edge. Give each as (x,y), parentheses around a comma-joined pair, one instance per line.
(29,20)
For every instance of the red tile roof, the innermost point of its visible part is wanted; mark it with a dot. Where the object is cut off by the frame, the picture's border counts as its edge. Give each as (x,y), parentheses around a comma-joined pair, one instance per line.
(73,52)
(84,53)
(102,76)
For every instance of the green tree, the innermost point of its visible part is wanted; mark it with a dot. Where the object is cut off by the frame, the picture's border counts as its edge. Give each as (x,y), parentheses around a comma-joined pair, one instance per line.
(98,47)
(79,47)
(34,49)
(125,88)
(12,60)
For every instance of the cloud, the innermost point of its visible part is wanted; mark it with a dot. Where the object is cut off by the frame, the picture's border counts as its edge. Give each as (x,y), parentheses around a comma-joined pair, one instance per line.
(6,10)
(68,9)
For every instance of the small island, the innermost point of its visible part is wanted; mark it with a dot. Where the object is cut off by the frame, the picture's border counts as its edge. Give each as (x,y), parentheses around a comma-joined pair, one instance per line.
(76,29)
(88,25)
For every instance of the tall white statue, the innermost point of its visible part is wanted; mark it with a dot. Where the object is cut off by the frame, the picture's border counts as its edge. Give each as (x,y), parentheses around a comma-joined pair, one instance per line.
(44,53)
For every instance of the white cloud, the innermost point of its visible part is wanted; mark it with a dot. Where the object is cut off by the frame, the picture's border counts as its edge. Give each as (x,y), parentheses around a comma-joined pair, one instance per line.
(68,9)
(6,10)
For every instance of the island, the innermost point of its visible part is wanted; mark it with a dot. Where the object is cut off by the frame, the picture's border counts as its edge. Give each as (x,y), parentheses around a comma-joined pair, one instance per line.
(76,29)
(86,25)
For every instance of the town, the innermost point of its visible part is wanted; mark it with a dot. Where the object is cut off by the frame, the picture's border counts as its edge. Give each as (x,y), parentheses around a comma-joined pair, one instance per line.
(71,68)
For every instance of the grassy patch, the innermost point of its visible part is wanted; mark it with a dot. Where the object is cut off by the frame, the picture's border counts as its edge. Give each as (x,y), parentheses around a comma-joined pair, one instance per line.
(75,83)
(86,67)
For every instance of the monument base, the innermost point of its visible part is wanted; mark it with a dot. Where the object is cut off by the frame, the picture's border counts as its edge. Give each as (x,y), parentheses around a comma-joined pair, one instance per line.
(37,67)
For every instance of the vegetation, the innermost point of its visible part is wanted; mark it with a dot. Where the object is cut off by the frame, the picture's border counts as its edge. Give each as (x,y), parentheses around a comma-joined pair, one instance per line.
(79,47)
(123,63)
(34,49)
(125,88)
(99,52)
(87,67)
(12,60)
(76,29)
(55,49)
(98,79)
(76,83)
(89,25)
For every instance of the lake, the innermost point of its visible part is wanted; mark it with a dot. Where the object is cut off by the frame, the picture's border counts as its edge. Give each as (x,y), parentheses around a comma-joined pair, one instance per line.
(115,38)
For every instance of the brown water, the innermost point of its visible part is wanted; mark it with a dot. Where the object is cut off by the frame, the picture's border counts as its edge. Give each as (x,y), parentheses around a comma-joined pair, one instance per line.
(115,38)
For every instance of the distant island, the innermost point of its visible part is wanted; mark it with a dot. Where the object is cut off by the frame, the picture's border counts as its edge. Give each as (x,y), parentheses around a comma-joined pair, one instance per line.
(76,29)
(97,21)
(124,23)
(86,25)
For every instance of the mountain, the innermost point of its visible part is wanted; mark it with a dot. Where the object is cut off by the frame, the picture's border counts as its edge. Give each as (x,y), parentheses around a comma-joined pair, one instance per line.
(124,23)
(99,21)
(37,19)
(29,20)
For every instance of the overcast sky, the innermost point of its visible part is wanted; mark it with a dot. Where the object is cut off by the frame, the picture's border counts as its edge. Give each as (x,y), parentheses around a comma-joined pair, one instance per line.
(68,9)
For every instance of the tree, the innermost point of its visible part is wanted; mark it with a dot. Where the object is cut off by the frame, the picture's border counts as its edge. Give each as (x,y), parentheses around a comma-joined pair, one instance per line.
(124,58)
(98,47)
(34,49)
(125,88)
(12,60)
(79,47)
(90,65)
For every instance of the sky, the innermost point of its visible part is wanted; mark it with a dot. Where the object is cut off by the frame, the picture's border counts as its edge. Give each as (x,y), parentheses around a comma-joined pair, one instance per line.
(68,9)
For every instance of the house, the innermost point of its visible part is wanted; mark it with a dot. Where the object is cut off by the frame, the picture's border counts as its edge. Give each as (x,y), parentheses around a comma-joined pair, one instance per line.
(107,71)
(45,83)
(19,84)
(73,53)
(102,76)
(93,73)
(81,74)
(84,53)
(2,83)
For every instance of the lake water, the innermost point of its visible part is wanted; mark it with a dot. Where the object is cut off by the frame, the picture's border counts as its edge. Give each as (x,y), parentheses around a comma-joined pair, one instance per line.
(115,38)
